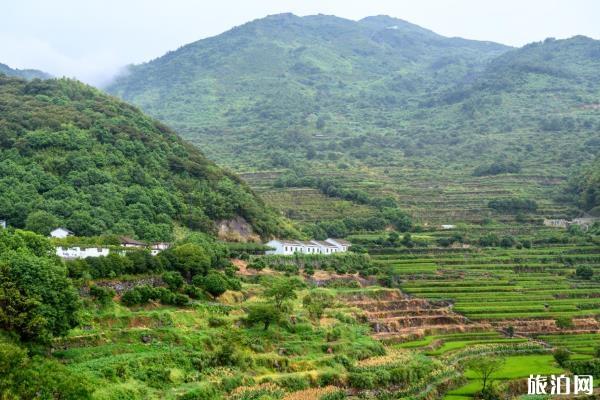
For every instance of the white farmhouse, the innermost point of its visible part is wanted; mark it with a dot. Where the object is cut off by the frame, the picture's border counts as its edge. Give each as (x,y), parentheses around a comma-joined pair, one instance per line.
(289,247)
(3,223)
(158,247)
(285,247)
(60,233)
(132,243)
(341,244)
(326,247)
(81,252)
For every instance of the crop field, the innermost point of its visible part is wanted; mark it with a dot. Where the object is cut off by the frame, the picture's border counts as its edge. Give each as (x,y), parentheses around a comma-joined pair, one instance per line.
(502,284)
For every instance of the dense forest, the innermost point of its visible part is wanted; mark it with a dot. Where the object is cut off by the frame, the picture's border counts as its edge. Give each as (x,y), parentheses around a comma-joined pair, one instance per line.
(72,156)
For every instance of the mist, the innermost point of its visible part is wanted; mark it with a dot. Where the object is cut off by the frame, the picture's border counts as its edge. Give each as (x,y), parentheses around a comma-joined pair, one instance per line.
(93,41)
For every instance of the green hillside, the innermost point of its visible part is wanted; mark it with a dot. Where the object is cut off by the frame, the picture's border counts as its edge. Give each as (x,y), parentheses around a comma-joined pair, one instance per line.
(380,106)
(23,73)
(72,156)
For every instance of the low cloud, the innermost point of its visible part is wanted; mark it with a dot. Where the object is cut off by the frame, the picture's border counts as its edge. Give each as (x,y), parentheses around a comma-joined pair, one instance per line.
(96,68)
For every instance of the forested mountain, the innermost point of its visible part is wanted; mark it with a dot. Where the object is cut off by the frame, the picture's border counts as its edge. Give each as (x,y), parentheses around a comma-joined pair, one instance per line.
(370,102)
(23,73)
(284,76)
(72,156)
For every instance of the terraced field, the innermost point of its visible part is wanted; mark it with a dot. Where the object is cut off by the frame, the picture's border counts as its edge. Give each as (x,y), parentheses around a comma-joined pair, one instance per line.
(501,285)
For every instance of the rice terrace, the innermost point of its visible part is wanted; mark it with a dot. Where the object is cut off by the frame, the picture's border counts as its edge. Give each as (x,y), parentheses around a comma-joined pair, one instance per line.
(249,204)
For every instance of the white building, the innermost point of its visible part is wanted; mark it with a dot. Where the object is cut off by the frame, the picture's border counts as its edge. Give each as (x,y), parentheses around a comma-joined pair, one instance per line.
(289,247)
(132,243)
(158,247)
(341,244)
(3,223)
(81,252)
(60,233)
(448,226)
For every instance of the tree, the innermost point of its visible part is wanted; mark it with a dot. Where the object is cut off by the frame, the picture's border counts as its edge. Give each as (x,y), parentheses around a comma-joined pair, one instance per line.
(485,367)
(173,279)
(280,289)
(561,356)
(510,331)
(22,377)
(215,283)
(584,272)
(190,259)
(38,301)
(316,302)
(263,313)
(41,222)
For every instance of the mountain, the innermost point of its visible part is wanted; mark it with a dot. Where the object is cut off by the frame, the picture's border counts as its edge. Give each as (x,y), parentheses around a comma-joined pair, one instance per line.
(285,73)
(72,156)
(23,73)
(381,106)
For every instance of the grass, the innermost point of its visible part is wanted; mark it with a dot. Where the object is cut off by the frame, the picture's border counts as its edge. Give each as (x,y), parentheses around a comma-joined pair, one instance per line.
(515,367)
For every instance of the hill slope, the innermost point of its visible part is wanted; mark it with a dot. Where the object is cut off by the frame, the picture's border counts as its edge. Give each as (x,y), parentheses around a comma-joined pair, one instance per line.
(383,106)
(23,73)
(73,156)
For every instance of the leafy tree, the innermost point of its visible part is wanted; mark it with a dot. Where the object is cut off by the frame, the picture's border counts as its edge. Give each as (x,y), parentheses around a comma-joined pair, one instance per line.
(38,300)
(316,302)
(24,377)
(173,279)
(263,313)
(190,259)
(41,222)
(215,283)
(485,368)
(280,289)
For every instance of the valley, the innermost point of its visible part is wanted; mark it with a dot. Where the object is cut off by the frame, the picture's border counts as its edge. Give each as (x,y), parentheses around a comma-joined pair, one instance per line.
(464,175)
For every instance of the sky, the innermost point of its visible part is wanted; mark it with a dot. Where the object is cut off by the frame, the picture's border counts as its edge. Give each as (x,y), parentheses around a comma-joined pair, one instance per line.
(92,40)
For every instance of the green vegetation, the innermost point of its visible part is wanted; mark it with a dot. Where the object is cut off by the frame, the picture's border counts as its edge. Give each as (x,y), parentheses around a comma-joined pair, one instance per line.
(382,111)
(75,157)
(23,73)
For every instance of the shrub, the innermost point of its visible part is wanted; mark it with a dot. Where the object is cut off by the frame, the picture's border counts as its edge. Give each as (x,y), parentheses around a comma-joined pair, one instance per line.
(173,280)
(584,272)
(103,295)
(362,380)
(215,283)
(564,322)
(561,355)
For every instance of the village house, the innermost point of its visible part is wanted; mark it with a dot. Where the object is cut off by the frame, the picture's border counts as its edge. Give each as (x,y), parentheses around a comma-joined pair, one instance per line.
(3,223)
(556,223)
(584,222)
(60,233)
(132,243)
(158,247)
(289,247)
(81,252)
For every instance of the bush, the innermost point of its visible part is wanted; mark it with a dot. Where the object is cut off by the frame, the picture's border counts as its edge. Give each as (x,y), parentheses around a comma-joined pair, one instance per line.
(561,355)
(173,280)
(513,205)
(362,380)
(584,272)
(337,395)
(498,167)
(103,295)
(564,322)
